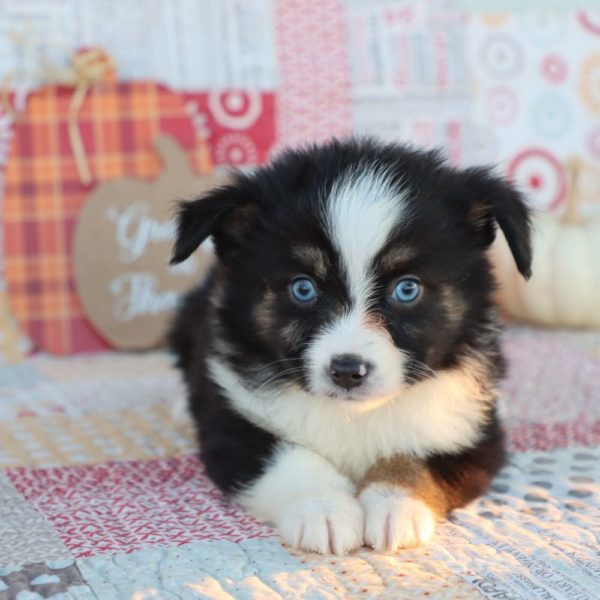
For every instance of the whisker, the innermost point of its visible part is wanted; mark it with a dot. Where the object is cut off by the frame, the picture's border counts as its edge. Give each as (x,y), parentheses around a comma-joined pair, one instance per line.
(417,368)
(421,364)
(278,376)
(275,362)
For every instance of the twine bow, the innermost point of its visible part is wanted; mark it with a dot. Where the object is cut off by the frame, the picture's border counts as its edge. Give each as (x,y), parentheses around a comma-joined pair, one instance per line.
(87,68)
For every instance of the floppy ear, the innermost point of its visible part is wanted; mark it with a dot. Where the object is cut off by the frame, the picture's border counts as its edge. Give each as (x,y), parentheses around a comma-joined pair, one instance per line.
(205,216)
(493,202)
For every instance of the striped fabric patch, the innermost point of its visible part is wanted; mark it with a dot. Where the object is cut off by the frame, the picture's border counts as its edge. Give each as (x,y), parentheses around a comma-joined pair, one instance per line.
(59,439)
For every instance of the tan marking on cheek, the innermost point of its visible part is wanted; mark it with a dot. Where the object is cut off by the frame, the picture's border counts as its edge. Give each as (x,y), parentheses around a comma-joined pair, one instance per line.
(292,334)
(479,214)
(411,475)
(218,291)
(314,259)
(395,257)
(453,304)
(264,312)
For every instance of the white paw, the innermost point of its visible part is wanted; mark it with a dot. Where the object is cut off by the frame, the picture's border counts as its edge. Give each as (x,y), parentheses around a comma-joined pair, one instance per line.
(325,522)
(393,519)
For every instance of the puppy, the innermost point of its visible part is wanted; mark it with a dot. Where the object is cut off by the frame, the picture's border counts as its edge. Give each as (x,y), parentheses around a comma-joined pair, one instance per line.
(343,357)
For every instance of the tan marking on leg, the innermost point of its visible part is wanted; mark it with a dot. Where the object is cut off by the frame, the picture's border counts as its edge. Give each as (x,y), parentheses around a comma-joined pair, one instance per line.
(411,475)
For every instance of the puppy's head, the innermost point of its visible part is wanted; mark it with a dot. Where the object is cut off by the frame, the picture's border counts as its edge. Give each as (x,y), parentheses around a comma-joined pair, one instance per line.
(354,269)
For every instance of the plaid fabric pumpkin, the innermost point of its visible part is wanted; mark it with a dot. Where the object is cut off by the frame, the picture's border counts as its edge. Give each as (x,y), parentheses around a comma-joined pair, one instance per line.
(43,194)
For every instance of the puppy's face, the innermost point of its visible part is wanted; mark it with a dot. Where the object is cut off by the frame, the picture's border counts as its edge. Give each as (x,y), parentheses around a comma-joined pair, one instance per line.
(353,270)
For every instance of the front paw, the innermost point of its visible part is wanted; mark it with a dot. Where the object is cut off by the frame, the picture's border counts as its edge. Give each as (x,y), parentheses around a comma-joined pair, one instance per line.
(394,519)
(326,522)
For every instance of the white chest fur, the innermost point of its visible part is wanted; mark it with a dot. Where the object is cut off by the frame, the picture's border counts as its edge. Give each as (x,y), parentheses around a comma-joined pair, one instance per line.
(441,414)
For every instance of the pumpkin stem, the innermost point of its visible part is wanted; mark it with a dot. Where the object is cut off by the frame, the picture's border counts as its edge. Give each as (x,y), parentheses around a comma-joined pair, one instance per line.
(174,159)
(571,214)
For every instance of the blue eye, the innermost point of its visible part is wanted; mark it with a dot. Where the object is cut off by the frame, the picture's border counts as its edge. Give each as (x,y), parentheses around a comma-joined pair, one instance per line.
(407,290)
(303,289)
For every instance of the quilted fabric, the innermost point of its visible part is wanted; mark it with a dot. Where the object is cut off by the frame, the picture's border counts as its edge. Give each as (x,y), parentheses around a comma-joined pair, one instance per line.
(121,507)
(102,495)
(26,536)
(49,580)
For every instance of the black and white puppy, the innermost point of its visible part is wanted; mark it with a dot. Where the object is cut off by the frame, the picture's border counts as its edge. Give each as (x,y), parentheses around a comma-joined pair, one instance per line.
(343,356)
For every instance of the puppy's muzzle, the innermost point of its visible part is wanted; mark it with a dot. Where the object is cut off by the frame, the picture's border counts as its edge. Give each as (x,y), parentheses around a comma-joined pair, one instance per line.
(348,370)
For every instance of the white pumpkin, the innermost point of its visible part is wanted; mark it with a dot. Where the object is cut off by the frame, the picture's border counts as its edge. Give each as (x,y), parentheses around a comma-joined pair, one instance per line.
(564,289)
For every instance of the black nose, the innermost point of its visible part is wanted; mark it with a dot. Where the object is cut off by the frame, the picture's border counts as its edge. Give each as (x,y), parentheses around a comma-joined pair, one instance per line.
(348,370)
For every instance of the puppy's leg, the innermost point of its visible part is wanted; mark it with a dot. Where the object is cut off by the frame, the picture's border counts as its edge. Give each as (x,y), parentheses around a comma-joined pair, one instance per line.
(312,505)
(402,503)
(403,497)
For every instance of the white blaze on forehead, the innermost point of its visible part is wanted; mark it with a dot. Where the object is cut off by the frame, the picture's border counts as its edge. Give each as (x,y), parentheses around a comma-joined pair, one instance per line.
(363,209)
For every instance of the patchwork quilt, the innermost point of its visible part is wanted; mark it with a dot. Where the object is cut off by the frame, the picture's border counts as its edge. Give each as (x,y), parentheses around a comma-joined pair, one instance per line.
(102,495)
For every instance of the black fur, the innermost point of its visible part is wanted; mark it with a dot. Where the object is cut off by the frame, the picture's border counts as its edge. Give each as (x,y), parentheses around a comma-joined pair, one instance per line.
(233,450)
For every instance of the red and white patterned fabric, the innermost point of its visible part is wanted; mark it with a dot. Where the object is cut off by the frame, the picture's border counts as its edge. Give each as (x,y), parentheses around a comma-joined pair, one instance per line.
(314,95)
(121,507)
(239,125)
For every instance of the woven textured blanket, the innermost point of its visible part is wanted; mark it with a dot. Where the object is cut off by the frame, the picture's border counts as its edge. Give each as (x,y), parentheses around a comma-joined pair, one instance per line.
(102,495)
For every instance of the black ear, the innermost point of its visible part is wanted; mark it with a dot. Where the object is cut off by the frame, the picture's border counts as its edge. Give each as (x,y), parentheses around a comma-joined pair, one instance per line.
(493,202)
(200,218)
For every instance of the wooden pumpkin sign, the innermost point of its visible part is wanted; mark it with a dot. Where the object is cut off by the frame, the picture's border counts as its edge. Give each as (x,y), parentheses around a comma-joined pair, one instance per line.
(564,289)
(123,242)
